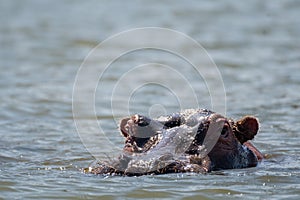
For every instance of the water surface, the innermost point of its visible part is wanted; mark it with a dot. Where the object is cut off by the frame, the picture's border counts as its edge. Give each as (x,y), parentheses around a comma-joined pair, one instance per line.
(255,46)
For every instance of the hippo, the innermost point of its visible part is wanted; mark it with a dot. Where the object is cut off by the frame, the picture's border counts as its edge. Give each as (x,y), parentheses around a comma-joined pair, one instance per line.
(193,140)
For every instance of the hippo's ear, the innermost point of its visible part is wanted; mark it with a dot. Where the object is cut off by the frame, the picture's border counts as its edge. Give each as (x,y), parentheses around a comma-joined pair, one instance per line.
(246,128)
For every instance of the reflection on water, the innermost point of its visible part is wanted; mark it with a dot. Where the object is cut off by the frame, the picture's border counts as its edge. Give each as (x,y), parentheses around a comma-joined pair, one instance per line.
(254,44)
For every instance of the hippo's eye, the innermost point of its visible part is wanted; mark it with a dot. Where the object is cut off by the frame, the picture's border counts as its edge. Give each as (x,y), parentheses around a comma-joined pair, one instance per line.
(224,132)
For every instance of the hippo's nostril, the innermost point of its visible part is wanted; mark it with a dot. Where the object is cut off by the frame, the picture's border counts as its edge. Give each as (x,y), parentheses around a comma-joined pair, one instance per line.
(135,118)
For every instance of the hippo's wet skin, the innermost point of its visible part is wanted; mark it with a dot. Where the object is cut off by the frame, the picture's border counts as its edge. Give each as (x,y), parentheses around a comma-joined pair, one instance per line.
(190,141)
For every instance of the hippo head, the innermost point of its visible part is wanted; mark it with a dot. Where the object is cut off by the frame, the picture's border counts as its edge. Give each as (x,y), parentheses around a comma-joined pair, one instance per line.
(189,141)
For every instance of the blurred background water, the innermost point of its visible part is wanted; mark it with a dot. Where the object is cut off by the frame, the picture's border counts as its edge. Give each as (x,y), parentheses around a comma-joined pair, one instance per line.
(43,43)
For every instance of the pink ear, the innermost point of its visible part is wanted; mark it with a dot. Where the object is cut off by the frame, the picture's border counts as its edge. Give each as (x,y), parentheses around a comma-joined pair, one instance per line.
(246,128)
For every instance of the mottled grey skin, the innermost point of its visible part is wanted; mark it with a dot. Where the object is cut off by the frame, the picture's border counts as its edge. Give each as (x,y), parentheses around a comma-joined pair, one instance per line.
(194,140)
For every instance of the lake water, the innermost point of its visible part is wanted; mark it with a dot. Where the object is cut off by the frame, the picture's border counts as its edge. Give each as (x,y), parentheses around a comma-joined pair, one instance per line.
(255,45)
